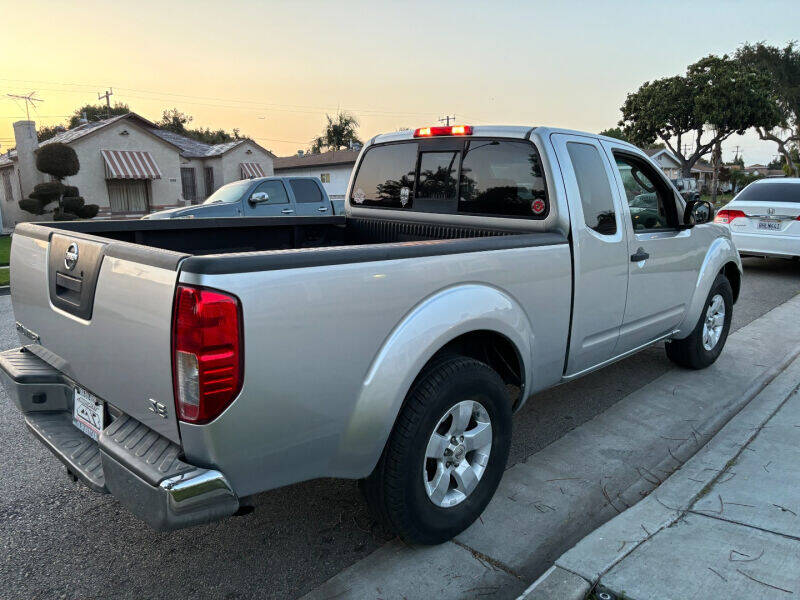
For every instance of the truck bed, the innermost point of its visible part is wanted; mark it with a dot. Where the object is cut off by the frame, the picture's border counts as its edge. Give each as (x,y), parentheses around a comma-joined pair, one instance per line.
(105,320)
(240,244)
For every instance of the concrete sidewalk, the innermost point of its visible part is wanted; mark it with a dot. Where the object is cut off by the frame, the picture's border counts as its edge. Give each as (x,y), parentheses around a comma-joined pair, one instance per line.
(548,503)
(725,525)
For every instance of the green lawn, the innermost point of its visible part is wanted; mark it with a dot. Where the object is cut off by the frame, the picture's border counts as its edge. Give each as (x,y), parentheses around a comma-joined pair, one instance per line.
(722,199)
(4,274)
(5,249)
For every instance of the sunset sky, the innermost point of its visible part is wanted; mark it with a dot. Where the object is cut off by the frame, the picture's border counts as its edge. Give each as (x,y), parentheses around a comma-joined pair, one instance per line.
(273,69)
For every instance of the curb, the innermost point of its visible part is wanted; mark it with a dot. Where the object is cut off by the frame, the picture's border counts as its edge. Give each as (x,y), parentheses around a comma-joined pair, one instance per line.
(600,551)
(557,583)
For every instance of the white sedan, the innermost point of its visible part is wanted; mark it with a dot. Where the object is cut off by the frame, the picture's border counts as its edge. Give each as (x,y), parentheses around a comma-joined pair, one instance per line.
(764,218)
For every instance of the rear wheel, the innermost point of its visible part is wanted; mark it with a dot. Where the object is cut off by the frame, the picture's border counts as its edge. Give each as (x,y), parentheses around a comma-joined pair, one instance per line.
(446,453)
(704,345)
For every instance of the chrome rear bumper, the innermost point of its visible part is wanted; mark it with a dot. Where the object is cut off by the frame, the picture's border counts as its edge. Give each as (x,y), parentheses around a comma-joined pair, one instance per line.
(142,469)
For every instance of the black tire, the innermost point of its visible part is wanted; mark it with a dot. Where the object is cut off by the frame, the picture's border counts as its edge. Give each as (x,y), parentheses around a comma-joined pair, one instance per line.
(395,489)
(690,352)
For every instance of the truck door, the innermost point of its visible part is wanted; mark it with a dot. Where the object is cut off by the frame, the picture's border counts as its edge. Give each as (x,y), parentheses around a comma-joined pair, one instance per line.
(275,204)
(664,260)
(600,251)
(309,198)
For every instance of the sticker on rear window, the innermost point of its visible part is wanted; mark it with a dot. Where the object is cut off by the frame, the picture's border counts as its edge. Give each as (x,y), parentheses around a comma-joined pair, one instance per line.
(404,195)
(359,196)
(537,206)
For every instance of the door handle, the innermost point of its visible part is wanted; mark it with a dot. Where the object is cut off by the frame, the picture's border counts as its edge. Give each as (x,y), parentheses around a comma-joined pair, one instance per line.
(287,211)
(640,255)
(323,209)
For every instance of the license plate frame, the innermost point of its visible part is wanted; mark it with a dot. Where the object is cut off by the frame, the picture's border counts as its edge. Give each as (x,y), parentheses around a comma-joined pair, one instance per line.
(88,413)
(765,225)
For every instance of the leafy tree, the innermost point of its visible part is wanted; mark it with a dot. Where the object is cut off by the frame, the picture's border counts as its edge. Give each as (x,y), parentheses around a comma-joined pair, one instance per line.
(615,132)
(47,131)
(738,160)
(174,120)
(782,65)
(96,112)
(775,164)
(59,161)
(340,133)
(177,121)
(716,96)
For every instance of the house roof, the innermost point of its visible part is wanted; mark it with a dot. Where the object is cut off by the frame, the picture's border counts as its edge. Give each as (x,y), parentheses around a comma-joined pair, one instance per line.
(191,148)
(703,166)
(187,147)
(334,157)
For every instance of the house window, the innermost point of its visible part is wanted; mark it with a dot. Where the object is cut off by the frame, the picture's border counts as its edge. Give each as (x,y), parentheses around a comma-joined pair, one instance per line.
(209,173)
(9,191)
(325,177)
(129,195)
(188,183)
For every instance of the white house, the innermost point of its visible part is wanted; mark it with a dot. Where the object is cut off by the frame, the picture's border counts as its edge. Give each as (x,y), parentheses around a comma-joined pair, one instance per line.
(332,168)
(129,167)
(666,160)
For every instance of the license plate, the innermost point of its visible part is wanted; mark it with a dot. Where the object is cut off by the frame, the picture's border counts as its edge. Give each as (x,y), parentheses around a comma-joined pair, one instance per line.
(769,225)
(87,414)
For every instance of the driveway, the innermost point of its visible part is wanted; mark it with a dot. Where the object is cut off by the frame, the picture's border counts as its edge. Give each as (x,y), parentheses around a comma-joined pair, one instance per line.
(59,540)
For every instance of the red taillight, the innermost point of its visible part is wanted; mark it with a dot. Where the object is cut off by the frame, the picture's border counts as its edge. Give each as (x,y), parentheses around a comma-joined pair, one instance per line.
(449,130)
(206,353)
(727,216)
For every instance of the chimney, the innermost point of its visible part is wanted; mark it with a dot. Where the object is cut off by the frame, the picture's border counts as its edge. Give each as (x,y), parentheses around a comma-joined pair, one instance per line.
(299,153)
(27,145)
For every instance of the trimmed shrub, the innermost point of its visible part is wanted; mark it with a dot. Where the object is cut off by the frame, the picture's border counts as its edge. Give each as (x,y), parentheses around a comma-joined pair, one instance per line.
(58,160)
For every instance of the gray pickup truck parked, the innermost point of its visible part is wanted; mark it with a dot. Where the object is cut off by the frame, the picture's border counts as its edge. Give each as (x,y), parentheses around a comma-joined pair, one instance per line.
(186,365)
(260,197)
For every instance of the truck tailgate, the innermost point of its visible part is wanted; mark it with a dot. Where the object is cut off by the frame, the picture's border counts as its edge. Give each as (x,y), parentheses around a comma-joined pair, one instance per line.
(100,311)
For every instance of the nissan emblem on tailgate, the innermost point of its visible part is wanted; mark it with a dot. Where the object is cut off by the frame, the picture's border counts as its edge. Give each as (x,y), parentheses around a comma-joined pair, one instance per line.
(71,256)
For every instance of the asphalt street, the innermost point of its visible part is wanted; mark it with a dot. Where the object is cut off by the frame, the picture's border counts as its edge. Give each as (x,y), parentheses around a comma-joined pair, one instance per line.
(60,540)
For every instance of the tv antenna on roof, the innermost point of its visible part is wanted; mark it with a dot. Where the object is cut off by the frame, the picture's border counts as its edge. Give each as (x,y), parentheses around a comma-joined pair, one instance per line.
(29,102)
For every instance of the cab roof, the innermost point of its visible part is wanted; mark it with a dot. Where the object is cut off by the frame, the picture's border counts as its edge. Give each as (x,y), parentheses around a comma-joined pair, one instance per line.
(506,131)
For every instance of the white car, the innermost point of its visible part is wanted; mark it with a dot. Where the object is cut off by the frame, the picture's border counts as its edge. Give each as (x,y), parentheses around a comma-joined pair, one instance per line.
(764,218)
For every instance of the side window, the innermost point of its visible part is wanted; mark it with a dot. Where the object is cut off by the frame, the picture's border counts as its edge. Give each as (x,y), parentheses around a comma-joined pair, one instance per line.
(275,191)
(305,190)
(594,188)
(385,178)
(502,179)
(652,204)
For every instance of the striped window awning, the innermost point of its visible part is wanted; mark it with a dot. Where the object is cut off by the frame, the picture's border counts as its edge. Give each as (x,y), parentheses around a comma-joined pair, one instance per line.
(130,164)
(250,170)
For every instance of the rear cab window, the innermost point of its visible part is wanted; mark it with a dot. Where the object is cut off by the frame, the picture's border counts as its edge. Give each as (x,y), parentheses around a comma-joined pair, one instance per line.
(483,177)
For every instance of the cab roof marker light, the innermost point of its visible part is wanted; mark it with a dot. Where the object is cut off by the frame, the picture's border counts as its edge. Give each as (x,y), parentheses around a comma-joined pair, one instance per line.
(444,130)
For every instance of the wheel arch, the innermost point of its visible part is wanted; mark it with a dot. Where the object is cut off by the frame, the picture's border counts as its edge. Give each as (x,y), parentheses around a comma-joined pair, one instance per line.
(485,315)
(721,257)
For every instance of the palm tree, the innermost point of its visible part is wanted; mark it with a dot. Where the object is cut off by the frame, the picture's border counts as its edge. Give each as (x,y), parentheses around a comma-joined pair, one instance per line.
(340,134)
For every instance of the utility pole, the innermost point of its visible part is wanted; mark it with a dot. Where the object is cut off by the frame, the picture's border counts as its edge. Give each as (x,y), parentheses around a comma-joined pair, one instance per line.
(107,96)
(446,120)
(29,101)
(736,153)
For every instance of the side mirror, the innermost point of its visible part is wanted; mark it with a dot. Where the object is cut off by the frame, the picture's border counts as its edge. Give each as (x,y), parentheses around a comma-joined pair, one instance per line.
(697,212)
(259,198)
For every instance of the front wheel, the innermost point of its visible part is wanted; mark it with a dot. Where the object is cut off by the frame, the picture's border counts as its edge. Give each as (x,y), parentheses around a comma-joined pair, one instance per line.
(703,346)
(446,453)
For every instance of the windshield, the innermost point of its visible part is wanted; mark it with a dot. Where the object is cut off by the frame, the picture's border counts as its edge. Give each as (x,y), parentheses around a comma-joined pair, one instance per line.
(229,193)
(771,192)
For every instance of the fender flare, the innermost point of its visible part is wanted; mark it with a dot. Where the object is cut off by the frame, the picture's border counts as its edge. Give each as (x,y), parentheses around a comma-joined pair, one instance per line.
(720,253)
(423,331)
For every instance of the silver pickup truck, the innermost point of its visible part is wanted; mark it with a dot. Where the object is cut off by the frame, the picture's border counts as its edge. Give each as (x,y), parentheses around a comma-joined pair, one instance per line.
(186,365)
